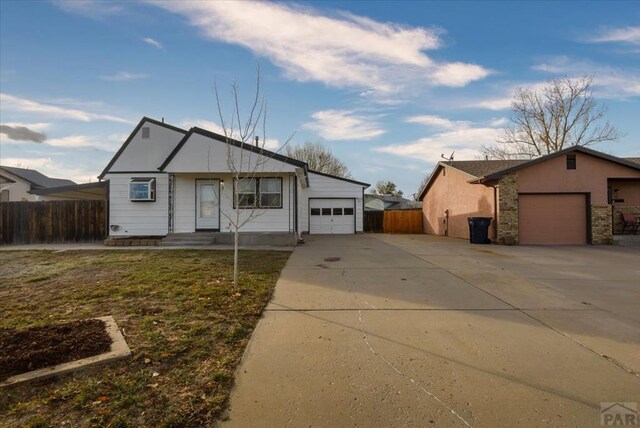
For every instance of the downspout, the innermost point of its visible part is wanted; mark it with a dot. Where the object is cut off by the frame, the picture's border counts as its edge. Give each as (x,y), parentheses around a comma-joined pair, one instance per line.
(495,212)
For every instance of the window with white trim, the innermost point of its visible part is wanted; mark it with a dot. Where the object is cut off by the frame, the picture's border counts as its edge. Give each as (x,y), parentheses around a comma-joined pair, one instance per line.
(270,192)
(259,192)
(142,189)
(246,188)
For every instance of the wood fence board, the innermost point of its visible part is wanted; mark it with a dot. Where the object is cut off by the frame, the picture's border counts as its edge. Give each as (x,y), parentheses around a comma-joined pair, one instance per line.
(52,221)
(398,221)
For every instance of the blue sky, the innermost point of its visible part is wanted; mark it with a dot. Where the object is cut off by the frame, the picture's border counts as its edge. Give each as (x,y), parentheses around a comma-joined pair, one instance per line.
(388,86)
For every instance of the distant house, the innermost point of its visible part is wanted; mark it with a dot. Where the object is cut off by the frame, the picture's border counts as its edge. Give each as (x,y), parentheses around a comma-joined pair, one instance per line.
(20,184)
(374,202)
(574,196)
(166,181)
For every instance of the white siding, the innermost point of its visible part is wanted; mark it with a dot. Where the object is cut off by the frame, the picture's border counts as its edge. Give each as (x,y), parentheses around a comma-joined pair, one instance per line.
(321,186)
(138,218)
(201,154)
(19,190)
(268,220)
(147,154)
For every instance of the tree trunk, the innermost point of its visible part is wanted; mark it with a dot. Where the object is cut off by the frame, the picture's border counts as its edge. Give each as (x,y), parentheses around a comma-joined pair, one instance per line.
(235,257)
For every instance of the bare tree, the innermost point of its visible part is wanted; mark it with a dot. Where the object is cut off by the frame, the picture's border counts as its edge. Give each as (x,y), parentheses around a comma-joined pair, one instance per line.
(246,160)
(386,188)
(319,158)
(561,114)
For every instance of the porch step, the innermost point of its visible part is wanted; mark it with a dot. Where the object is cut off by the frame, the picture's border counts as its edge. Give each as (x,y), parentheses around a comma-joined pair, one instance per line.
(247,239)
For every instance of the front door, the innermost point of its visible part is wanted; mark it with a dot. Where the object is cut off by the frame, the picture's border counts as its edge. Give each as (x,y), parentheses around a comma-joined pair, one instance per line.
(208,204)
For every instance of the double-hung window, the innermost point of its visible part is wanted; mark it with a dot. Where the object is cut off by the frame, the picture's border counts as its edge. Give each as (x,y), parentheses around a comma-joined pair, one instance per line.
(270,192)
(246,188)
(142,189)
(259,192)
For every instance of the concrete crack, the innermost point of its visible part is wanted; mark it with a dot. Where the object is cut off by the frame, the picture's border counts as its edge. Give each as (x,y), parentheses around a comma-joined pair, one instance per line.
(395,369)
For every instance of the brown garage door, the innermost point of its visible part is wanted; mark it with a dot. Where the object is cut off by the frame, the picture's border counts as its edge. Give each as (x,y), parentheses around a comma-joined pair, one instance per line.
(552,219)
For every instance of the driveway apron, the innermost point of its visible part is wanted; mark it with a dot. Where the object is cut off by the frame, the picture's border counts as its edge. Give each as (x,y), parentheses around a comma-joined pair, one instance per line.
(381,330)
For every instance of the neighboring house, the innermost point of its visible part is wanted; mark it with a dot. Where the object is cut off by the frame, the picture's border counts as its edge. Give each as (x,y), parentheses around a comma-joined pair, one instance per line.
(574,196)
(166,180)
(373,202)
(20,184)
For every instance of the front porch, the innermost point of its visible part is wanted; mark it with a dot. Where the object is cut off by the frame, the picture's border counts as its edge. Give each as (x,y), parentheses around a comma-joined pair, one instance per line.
(246,239)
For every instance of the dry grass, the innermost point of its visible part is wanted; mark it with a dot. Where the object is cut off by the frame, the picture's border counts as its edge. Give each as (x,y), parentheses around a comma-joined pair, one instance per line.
(185,323)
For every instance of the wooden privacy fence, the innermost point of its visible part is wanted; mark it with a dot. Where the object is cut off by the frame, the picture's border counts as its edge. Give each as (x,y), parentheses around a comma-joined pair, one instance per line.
(398,221)
(52,221)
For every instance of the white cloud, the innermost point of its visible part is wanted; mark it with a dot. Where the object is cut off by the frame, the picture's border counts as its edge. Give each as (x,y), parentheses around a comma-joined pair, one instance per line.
(344,50)
(344,125)
(153,42)
(462,137)
(201,123)
(609,82)
(51,168)
(464,142)
(124,76)
(436,121)
(630,35)
(12,103)
(90,8)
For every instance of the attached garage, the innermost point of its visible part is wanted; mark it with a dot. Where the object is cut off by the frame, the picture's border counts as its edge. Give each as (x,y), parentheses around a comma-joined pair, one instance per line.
(332,216)
(552,218)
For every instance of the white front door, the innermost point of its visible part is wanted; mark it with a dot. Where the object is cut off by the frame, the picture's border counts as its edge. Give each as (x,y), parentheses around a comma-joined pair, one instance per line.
(208,204)
(332,216)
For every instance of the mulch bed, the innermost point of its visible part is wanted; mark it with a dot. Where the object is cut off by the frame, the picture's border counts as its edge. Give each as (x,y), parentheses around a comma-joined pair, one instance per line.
(22,351)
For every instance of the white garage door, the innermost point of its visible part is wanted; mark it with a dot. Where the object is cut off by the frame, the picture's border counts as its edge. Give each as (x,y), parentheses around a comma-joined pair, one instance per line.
(332,216)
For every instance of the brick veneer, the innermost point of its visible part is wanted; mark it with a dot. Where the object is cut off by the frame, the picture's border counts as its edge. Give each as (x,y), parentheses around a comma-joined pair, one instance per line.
(508,209)
(601,224)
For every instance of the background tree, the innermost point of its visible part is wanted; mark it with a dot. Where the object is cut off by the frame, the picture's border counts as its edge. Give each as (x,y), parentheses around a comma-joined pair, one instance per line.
(319,158)
(561,114)
(386,188)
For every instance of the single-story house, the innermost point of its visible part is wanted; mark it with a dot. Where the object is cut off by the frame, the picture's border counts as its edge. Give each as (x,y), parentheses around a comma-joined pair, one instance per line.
(21,184)
(373,202)
(165,180)
(574,196)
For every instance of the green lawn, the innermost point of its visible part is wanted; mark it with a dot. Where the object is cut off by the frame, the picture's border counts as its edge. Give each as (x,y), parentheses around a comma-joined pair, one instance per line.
(185,323)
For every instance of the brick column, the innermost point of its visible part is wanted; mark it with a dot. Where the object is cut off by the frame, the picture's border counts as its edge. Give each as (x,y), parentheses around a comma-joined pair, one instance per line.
(601,224)
(508,209)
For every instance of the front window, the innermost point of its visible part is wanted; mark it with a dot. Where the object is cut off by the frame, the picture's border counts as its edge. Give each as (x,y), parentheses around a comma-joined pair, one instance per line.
(246,188)
(142,190)
(270,193)
(259,192)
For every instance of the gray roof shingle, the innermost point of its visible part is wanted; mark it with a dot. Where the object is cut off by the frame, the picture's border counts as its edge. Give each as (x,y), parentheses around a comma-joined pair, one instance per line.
(36,178)
(480,168)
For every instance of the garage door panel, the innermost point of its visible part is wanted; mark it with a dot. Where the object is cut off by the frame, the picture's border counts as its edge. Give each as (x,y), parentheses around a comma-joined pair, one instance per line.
(552,219)
(332,216)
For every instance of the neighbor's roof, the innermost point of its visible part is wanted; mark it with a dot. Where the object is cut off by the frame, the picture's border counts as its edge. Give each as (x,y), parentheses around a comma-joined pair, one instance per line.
(480,168)
(97,189)
(482,171)
(37,178)
(620,161)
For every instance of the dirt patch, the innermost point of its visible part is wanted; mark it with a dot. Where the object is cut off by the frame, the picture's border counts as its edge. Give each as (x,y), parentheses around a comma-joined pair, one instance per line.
(34,348)
(332,259)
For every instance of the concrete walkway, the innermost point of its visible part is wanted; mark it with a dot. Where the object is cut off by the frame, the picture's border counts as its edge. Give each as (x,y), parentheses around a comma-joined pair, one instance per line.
(429,331)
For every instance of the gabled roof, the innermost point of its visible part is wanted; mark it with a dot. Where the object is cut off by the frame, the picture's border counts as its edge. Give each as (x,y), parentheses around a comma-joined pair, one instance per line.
(483,171)
(231,141)
(474,169)
(348,180)
(621,161)
(36,178)
(133,134)
(75,191)
(480,168)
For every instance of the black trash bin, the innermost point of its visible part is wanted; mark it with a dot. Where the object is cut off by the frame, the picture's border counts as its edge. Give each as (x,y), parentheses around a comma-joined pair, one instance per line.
(479,230)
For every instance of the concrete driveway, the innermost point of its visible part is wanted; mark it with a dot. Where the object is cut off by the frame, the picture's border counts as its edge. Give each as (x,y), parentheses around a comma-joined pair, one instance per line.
(416,330)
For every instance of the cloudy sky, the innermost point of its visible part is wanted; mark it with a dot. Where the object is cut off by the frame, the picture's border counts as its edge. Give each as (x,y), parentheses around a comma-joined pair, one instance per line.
(388,86)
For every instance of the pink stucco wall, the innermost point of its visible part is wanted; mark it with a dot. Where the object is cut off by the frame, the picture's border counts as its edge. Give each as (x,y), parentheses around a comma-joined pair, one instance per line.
(591,175)
(451,192)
